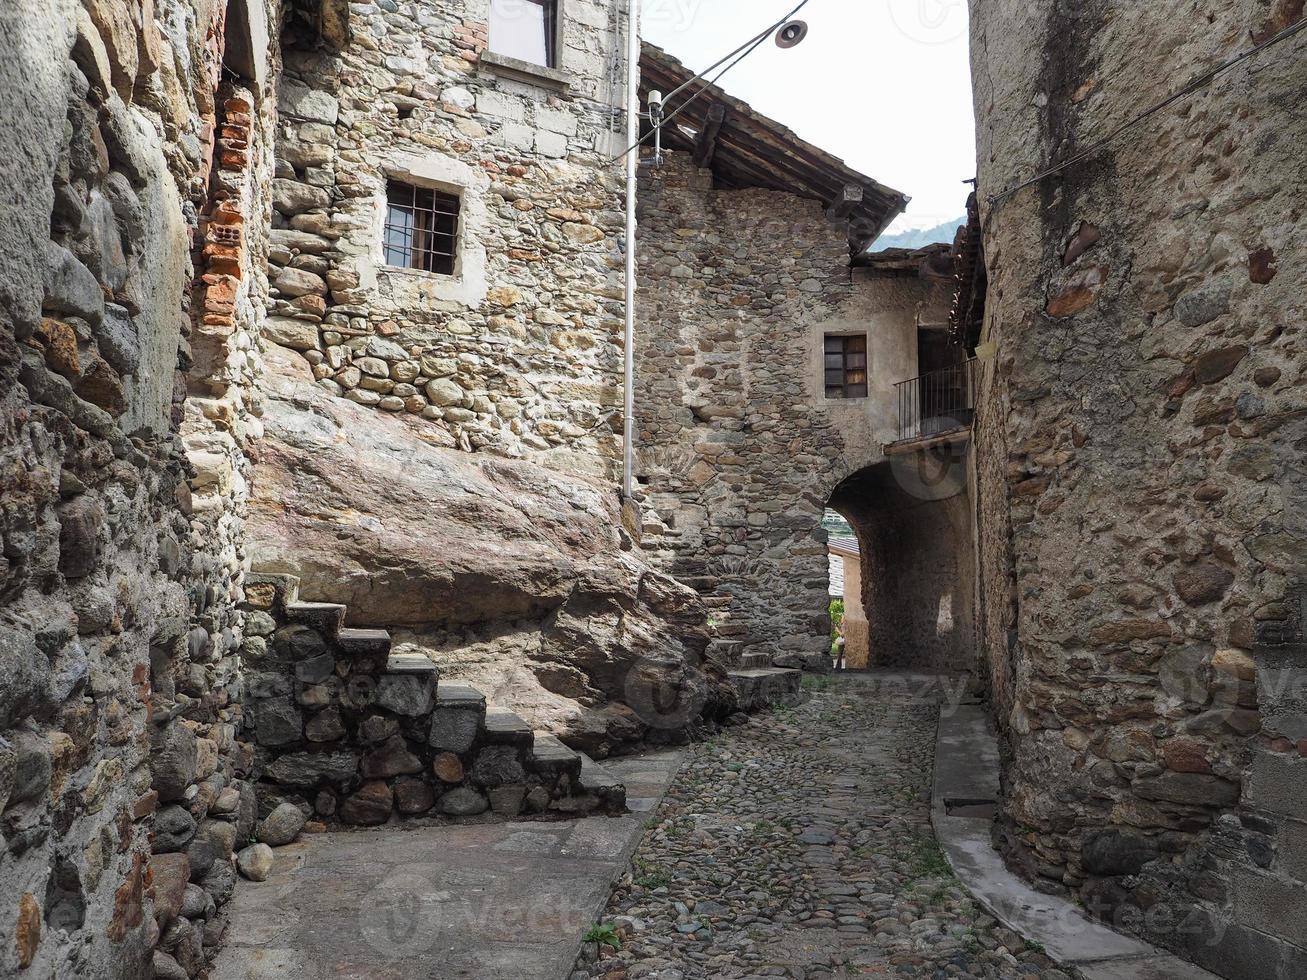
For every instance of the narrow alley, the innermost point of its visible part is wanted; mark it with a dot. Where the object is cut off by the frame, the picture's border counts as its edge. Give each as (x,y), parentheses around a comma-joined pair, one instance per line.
(800,846)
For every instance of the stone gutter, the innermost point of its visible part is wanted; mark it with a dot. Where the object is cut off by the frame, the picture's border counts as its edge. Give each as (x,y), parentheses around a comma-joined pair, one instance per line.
(966,785)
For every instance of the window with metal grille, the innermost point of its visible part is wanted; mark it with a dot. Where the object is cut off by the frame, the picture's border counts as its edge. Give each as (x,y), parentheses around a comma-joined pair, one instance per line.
(421,228)
(526,30)
(846,366)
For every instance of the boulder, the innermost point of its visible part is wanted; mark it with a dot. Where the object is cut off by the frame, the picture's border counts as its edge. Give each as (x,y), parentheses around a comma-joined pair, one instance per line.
(390,760)
(413,796)
(463,802)
(169,875)
(167,968)
(371,805)
(255,862)
(173,760)
(306,769)
(496,765)
(507,574)
(220,882)
(173,830)
(282,825)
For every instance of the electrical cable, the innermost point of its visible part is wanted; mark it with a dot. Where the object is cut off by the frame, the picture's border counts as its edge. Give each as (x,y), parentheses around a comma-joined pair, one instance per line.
(751,45)
(780,23)
(1193,86)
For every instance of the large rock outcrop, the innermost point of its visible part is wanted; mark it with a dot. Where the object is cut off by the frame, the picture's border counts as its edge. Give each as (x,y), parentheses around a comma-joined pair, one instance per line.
(511,576)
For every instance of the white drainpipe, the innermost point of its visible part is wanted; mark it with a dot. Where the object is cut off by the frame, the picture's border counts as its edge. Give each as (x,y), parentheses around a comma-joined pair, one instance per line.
(632,170)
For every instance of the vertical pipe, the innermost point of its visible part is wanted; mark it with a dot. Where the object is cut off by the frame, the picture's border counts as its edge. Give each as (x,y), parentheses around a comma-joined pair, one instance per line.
(632,172)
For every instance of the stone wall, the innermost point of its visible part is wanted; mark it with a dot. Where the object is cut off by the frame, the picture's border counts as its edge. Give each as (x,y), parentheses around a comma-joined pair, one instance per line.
(1141,482)
(738,447)
(519,351)
(118,759)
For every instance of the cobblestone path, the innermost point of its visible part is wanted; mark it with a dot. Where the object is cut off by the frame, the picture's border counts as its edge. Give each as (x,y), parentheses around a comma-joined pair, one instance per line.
(799,845)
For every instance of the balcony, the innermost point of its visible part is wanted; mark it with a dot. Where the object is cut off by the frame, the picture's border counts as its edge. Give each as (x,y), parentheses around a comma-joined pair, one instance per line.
(936,408)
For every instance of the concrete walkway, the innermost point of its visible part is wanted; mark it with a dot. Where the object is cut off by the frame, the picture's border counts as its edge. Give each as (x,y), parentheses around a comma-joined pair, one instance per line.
(967,772)
(507,901)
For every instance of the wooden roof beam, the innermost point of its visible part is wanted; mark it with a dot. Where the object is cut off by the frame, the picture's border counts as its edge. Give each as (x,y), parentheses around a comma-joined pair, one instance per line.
(705,147)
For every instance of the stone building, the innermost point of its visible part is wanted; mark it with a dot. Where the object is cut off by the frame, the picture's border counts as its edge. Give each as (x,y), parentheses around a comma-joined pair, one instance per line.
(189,186)
(446,219)
(768,364)
(1140,440)
(285,281)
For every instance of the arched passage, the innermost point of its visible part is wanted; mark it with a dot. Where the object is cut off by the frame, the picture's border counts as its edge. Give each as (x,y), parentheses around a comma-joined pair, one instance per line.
(912,517)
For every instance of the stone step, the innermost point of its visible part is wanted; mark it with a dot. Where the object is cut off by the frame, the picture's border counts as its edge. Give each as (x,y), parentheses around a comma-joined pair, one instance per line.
(410,663)
(755,661)
(452,695)
(458,719)
(408,686)
(764,686)
(363,642)
(550,757)
(599,781)
(326,617)
(503,727)
(718,601)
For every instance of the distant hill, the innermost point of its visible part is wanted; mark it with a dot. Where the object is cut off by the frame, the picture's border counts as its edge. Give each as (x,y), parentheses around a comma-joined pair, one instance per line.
(919,237)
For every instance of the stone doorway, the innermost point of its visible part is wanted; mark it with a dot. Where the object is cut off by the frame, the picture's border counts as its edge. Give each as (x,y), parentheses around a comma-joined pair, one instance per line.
(909,583)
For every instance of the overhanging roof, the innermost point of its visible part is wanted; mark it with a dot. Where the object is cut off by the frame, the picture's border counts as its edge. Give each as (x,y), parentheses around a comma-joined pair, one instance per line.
(744,148)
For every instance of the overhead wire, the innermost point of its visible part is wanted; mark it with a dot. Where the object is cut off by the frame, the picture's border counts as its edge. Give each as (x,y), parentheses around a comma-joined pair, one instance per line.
(748,47)
(1193,86)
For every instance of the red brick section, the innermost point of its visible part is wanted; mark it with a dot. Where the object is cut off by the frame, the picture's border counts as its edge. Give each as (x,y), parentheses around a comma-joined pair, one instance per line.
(223,227)
(471,39)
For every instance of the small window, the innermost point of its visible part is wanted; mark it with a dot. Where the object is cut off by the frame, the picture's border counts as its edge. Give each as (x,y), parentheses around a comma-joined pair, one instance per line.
(421,228)
(846,366)
(525,30)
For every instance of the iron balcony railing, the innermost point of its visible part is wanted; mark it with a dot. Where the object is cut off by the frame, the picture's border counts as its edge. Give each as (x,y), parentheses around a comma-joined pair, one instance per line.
(938,402)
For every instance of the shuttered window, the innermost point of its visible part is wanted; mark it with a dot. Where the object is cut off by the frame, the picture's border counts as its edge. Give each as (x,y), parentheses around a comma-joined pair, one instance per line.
(846,366)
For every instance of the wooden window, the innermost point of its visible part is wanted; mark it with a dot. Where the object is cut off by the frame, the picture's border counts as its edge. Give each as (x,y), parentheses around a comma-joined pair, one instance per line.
(846,366)
(421,228)
(525,30)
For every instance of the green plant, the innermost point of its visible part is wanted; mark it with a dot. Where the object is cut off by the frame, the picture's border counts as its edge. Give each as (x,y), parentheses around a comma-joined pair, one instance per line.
(836,618)
(927,859)
(815,682)
(602,934)
(649,875)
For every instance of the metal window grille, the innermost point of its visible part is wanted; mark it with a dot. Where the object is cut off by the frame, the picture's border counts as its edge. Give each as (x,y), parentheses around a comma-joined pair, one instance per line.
(938,402)
(421,228)
(846,366)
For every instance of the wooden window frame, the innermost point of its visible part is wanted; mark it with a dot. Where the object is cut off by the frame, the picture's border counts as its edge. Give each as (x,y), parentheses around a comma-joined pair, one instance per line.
(421,228)
(845,366)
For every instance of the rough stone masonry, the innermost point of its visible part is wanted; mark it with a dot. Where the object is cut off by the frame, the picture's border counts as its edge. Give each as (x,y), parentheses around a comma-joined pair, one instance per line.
(1142,488)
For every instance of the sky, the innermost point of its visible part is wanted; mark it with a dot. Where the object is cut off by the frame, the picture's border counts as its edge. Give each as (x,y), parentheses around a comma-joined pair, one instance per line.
(884,84)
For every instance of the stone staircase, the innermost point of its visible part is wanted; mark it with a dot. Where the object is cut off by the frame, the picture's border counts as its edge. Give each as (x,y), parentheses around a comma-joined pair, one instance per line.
(361,733)
(758,683)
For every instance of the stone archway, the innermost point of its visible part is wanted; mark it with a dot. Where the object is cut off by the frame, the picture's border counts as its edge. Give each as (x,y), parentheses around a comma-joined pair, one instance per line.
(911,514)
